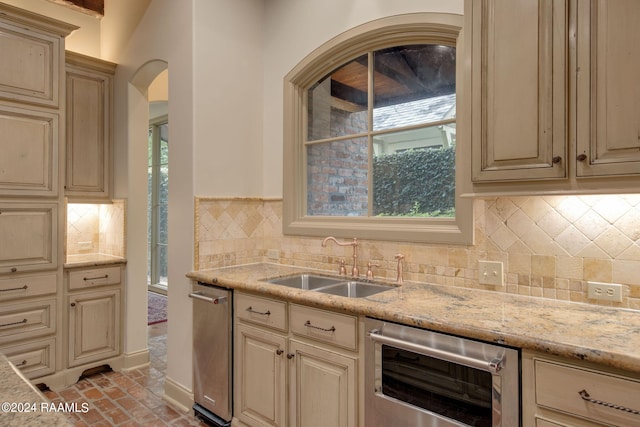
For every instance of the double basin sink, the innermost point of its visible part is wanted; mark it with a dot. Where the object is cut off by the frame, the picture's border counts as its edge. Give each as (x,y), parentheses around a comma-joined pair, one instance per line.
(331,285)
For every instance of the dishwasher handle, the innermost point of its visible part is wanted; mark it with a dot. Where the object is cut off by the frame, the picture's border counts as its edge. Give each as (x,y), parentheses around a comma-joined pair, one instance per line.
(212,300)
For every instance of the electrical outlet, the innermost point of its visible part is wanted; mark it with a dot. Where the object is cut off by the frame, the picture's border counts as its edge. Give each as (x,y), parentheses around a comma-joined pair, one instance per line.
(490,273)
(604,291)
(85,246)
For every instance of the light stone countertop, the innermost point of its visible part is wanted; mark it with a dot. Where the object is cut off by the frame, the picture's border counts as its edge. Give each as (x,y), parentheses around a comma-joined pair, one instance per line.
(607,336)
(92,260)
(22,404)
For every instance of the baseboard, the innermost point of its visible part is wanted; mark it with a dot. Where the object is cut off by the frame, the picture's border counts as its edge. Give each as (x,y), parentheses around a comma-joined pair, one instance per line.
(136,360)
(177,395)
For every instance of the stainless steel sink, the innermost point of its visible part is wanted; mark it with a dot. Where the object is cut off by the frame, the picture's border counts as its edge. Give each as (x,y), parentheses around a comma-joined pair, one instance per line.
(306,281)
(354,289)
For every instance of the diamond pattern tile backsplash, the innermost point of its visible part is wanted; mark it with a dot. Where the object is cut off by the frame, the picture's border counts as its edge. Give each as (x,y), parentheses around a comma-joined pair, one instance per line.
(550,245)
(96,228)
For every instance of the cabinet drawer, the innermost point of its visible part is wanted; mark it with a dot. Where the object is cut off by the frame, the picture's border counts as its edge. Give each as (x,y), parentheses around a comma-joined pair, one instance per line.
(321,325)
(27,320)
(27,286)
(262,311)
(34,359)
(81,279)
(558,387)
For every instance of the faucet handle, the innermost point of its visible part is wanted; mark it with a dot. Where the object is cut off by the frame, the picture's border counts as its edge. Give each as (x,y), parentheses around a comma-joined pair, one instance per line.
(369,272)
(343,269)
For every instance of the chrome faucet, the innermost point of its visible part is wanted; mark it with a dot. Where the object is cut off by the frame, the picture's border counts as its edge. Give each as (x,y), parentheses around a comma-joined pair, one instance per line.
(399,257)
(354,270)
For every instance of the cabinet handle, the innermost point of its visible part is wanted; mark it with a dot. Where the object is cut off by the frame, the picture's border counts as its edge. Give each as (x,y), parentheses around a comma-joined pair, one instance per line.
(309,325)
(14,269)
(556,159)
(73,304)
(106,276)
(290,356)
(24,362)
(279,352)
(581,157)
(14,289)
(262,313)
(23,321)
(585,396)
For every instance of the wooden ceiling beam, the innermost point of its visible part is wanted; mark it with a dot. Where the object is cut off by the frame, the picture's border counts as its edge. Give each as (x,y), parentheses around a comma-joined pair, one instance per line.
(91,7)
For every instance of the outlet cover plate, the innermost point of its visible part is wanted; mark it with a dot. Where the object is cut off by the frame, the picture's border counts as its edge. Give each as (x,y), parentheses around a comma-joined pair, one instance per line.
(490,273)
(604,291)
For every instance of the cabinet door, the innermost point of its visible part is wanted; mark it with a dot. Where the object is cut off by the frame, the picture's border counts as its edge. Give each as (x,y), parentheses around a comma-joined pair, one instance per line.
(30,65)
(94,326)
(29,147)
(519,80)
(88,172)
(608,94)
(29,235)
(260,385)
(322,387)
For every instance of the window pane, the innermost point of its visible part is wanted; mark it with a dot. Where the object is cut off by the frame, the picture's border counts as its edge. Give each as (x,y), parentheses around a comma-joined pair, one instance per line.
(414,85)
(337,178)
(414,172)
(337,104)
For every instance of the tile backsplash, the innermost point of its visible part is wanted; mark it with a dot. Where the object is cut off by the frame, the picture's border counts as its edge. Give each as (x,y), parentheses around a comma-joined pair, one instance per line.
(550,245)
(96,228)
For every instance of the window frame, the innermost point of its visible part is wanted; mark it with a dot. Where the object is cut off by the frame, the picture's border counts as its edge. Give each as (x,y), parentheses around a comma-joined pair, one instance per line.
(153,263)
(415,28)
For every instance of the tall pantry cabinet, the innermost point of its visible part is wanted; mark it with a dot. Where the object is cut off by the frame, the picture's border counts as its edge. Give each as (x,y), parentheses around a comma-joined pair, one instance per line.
(32,73)
(55,140)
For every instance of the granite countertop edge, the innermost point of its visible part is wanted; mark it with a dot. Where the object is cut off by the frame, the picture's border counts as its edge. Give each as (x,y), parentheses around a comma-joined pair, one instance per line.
(92,260)
(603,335)
(23,404)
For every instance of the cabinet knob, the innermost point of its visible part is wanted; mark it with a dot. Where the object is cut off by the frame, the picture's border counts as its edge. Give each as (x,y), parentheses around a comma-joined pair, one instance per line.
(581,157)
(279,352)
(556,159)
(290,356)
(73,304)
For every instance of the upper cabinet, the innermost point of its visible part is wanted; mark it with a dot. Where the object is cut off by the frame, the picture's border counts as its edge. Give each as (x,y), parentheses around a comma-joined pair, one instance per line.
(32,63)
(608,89)
(554,97)
(88,130)
(519,83)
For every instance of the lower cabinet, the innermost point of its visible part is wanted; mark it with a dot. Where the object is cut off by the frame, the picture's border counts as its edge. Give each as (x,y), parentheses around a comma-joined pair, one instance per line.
(94,318)
(94,326)
(286,377)
(261,379)
(322,387)
(559,392)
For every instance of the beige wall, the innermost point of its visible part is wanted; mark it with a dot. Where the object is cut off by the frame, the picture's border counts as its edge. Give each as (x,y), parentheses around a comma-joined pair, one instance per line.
(550,246)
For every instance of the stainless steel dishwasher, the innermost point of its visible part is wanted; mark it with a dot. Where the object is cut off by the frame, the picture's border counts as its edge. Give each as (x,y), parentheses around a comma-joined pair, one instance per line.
(212,353)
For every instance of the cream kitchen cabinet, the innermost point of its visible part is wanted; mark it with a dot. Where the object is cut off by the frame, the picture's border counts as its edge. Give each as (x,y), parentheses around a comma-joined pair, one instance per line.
(94,318)
(559,392)
(29,236)
(32,63)
(608,93)
(294,365)
(29,321)
(88,128)
(518,90)
(554,101)
(30,151)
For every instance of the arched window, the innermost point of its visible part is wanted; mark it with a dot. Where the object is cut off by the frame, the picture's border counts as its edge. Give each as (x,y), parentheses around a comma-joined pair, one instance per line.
(371,134)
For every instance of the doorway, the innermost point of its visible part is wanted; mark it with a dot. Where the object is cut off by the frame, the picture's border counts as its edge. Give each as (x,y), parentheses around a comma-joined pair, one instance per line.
(157,201)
